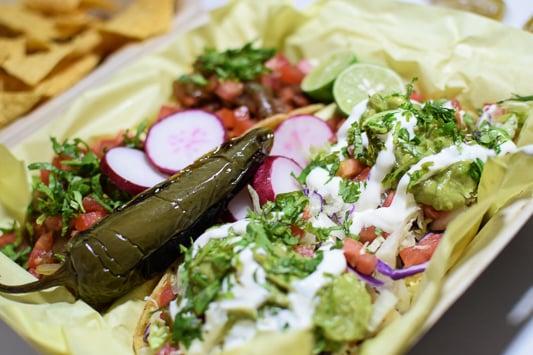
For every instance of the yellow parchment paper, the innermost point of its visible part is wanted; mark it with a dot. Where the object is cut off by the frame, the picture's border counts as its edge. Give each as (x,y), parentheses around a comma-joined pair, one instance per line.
(452,54)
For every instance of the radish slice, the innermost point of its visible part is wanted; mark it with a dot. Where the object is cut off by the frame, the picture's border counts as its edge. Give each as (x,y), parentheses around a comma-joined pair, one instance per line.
(239,206)
(178,140)
(295,137)
(275,176)
(130,170)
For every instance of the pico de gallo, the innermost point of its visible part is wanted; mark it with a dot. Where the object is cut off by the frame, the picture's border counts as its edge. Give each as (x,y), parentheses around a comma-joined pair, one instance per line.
(243,86)
(337,246)
(78,188)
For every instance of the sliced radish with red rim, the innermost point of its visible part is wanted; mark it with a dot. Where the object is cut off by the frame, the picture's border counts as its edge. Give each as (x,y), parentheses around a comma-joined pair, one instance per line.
(181,138)
(276,176)
(130,170)
(240,205)
(295,137)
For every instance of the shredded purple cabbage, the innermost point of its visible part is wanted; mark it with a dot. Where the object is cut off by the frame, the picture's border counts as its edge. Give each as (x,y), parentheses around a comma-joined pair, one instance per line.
(352,210)
(322,201)
(146,333)
(367,278)
(306,191)
(397,274)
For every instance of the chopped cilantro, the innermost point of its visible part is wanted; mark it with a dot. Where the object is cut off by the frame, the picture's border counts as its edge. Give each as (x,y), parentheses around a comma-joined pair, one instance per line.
(476,169)
(196,79)
(15,250)
(136,140)
(330,162)
(418,175)
(187,327)
(349,190)
(63,194)
(17,254)
(491,136)
(355,140)
(241,64)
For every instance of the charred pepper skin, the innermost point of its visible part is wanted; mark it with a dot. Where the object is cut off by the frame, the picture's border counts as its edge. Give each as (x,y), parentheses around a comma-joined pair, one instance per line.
(142,238)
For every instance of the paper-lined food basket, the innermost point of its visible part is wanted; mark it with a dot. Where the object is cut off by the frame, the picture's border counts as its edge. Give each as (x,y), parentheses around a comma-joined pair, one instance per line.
(452,54)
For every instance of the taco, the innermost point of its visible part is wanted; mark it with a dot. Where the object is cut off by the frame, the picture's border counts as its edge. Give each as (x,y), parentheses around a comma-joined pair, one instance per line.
(331,262)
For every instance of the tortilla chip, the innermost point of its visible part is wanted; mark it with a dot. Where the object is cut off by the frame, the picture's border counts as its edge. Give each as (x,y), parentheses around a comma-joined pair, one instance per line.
(33,68)
(38,28)
(109,5)
(12,48)
(15,104)
(72,23)
(67,75)
(142,19)
(52,6)
(10,83)
(85,42)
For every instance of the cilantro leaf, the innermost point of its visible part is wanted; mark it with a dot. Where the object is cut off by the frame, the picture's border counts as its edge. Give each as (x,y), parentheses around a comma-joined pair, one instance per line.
(330,162)
(74,175)
(491,136)
(476,169)
(187,327)
(241,64)
(136,140)
(349,190)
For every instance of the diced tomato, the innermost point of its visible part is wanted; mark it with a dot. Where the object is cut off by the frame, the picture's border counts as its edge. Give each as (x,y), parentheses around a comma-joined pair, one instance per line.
(421,252)
(276,62)
(167,350)
(368,234)
(350,168)
(286,94)
(290,74)
(103,145)
(363,175)
(42,251)
(7,238)
(85,221)
(229,90)
(305,66)
(365,263)
(457,107)
(53,223)
(166,296)
(45,176)
(242,126)
(389,198)
(415,95)
(306,214)
(91,205)
(305,250)
(38,229)
(57,162)
(227,117)
(166,111)
(271,80)
(243,121)
(351,249)
(297,231)
(430,212)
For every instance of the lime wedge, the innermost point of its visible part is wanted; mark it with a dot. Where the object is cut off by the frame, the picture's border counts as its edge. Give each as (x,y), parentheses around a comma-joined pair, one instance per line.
(359,81)
(319,82)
